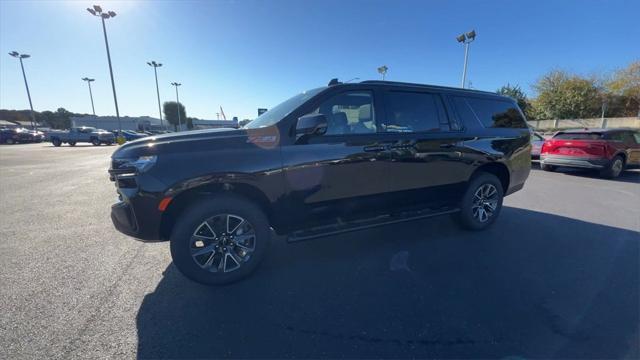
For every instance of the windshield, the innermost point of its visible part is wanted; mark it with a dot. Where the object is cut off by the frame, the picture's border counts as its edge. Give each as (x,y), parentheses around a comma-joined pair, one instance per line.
(278,112)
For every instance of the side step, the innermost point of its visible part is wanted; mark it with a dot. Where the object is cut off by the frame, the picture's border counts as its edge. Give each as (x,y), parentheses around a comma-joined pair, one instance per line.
(355,225)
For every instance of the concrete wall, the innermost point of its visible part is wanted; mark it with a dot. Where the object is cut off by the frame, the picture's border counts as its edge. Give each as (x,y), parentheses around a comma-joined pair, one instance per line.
(630,122)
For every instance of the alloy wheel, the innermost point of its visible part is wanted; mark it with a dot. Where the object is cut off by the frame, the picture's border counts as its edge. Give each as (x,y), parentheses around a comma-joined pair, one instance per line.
(617,167)
(223,243)
(485,202)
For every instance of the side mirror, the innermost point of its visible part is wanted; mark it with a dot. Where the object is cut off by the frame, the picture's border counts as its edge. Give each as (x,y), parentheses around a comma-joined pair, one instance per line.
(312,124)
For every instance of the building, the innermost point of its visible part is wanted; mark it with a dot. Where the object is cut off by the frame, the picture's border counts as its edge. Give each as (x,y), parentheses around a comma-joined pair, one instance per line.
(111,122)
(145,123)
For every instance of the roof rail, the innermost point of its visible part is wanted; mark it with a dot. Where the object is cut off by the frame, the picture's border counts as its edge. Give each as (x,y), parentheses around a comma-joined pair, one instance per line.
(384,82)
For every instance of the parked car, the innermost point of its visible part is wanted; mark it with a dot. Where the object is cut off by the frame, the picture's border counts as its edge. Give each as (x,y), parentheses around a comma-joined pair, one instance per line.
(536,145)
(82,134)
(609,151)
(327,161)
(38,136)
(130,135)
(16,136)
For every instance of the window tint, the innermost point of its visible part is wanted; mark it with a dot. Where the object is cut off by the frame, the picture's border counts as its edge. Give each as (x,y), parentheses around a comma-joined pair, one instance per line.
(413,112)
(349,113)
(491,113)
(615,136)
(636,136)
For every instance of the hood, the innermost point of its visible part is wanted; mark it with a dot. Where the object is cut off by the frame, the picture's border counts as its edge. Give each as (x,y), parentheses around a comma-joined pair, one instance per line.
(198,140)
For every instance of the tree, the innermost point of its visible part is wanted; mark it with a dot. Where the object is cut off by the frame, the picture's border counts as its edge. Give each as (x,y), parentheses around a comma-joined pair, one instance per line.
(566,96)
(170,109)
(625,85)
(516,93)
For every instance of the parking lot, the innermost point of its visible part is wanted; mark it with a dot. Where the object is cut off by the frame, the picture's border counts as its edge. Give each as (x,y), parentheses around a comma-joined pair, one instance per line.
(556,276)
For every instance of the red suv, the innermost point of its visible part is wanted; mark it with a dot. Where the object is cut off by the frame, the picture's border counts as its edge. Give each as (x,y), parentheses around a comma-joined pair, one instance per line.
(608,150)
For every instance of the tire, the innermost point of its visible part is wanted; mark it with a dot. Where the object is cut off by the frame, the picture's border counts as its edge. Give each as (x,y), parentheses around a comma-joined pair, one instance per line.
(95,142)
(547,167)
(10,141)
(72,143)
(206,218)
(56,142)
(614,168)
(108,143)
(489,187)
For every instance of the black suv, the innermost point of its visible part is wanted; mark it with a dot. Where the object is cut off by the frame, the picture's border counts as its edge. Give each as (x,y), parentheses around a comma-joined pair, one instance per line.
(333,159)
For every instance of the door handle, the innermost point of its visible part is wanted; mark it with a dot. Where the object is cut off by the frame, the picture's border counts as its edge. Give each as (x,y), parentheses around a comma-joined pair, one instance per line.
(373,148)
(447,146)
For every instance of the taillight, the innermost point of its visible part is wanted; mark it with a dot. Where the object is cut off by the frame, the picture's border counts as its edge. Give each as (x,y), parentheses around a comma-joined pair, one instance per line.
(597,149)
(545,148)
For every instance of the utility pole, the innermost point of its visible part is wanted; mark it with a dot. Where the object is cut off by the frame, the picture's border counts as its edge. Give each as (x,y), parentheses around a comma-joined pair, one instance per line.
(90,93)
(155,70)
(15,54)
(178,103)
(97,11)
(466,39)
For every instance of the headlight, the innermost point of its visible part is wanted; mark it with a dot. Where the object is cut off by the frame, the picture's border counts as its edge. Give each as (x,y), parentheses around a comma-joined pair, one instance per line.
(142,164)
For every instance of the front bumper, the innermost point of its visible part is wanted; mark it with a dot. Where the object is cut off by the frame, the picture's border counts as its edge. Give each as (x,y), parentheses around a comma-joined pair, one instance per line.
(572,161)
(139,221)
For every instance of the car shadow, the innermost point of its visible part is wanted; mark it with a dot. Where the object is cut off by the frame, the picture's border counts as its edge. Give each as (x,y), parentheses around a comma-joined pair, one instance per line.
(533,285)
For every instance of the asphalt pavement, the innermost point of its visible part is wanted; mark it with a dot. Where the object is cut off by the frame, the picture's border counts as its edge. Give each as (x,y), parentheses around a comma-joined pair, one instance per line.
(557,276)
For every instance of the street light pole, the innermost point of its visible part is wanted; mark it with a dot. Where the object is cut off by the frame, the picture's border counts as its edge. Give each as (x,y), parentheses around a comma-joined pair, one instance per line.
(155,70)
(97,11)
(466,39)
(90,93)
(178,103)
(15,54)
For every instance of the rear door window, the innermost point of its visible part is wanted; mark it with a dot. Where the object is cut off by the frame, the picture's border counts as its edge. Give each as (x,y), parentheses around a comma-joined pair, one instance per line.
(414,112)
(492,113)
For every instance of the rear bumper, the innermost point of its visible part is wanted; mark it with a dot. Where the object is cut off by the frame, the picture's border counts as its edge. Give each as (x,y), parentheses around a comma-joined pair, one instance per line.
(573,161)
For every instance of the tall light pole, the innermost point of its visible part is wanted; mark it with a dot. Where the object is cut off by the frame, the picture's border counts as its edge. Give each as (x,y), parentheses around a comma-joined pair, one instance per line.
(382,70)
(90,93)
(178,103)
(466,39)
(97,11)
(155,70)
(16,54)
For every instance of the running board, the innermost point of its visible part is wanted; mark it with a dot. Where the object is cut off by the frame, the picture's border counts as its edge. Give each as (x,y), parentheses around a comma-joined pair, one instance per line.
(356,225)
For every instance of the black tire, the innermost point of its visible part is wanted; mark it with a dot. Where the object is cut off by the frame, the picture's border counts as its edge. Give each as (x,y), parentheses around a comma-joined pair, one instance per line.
(469,202)
(614,168)
(183,240)
(56,142)
(10,141)
(108,143)
(72,143)
(547,167)
(95,142)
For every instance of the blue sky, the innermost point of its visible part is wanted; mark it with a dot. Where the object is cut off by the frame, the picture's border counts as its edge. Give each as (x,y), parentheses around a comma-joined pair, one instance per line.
(246,54)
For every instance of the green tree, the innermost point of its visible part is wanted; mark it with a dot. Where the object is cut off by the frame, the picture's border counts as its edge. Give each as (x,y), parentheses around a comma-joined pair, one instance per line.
(170,109)
(625,87)
(516,93)
(566,96)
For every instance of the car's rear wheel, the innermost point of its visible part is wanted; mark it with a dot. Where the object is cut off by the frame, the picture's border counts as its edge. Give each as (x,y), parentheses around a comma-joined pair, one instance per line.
(614,168)
(10,141)
(56,142)
(95,142)
(72,143)
(220,240)
(481,202)
(547,167)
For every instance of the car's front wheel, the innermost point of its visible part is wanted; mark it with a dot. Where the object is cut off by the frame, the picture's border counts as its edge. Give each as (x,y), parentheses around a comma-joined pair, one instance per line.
(220,240)
(56,142)
(95,142)
(481,202)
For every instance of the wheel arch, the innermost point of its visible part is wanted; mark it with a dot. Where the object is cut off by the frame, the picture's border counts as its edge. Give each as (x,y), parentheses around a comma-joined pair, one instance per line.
(498,169)
(181,202)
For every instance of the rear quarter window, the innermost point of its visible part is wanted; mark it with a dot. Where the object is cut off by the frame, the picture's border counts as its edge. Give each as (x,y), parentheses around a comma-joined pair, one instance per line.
(578,136)
(491,113)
